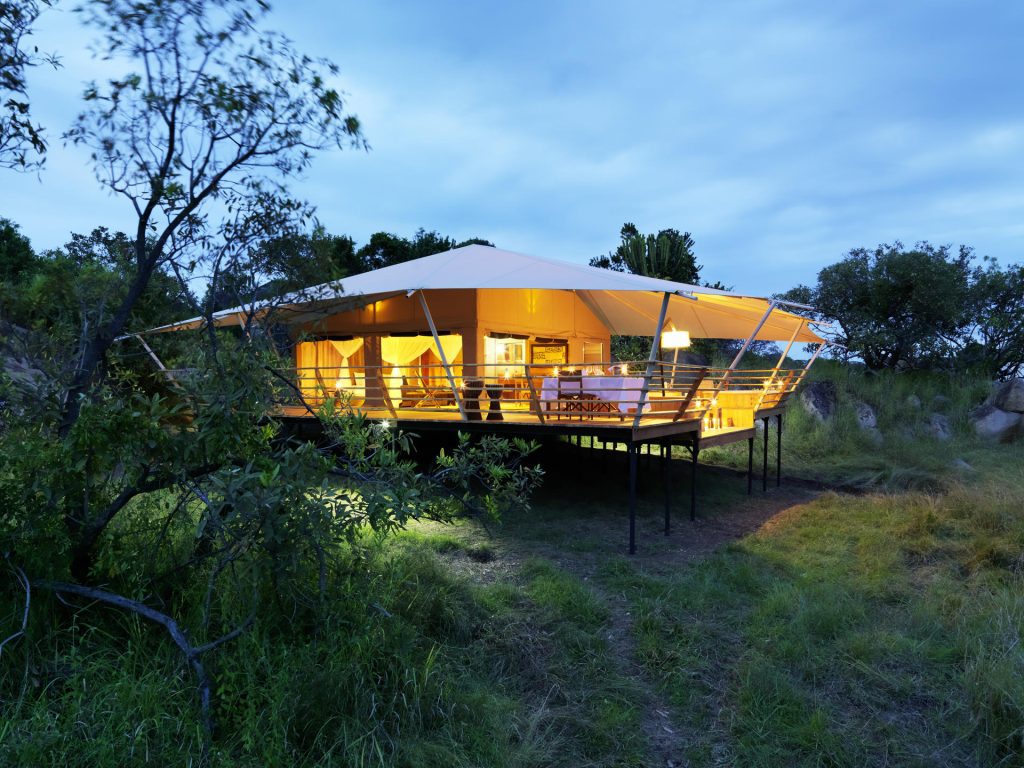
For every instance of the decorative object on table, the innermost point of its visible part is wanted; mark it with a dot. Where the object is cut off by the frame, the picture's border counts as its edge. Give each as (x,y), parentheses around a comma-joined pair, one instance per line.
(472,390)
(494,392)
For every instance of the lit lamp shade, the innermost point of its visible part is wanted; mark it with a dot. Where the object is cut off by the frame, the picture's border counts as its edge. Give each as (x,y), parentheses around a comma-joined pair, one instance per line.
(675,339)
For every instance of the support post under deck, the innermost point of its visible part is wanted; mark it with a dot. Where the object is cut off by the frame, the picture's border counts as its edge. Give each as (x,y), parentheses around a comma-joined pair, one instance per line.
(750,465)
(694,451)
(764,472)
(631,451)
(666,468)
(778,450)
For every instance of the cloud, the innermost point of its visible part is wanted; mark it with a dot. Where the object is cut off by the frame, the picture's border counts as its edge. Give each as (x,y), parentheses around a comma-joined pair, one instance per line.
(781,134)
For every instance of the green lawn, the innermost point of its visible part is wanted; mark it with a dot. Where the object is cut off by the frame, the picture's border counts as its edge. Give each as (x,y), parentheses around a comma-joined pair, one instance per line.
(796,627)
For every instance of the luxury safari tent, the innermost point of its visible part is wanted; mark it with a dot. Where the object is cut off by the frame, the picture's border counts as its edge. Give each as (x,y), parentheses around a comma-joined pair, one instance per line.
(482,339)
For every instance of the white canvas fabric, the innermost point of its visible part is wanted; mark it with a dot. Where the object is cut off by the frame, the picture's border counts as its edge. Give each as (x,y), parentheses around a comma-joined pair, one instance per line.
(626,304)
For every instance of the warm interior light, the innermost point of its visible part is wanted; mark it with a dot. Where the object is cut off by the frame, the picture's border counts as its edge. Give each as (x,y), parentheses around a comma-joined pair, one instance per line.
(675,339)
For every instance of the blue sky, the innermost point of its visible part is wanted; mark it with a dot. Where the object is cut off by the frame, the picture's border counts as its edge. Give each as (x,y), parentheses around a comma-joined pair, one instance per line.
(781,134)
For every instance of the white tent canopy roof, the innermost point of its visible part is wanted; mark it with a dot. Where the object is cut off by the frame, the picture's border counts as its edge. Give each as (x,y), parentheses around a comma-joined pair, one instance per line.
(627,304)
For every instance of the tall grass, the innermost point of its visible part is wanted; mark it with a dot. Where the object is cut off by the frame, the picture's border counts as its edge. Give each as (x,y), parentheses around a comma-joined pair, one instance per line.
(408,665)
(901,453)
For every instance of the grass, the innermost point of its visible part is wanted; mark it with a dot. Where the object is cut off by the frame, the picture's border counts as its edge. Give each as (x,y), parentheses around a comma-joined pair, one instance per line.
(793,628)
(901,453)
(414,666)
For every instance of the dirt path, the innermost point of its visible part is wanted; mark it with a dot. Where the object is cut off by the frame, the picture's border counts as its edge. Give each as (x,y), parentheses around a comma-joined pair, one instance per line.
(581,547)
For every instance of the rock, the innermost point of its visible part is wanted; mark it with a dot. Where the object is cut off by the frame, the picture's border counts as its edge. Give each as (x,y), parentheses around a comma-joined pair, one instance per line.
(1009,396)
(993,423)
(689,358)
(913,401)
(938,427)
(819,397)
(866,417)
(961,465)
(941,403)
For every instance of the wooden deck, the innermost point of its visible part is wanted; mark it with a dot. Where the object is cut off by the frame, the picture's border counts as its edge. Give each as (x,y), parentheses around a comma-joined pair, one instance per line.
(522,421)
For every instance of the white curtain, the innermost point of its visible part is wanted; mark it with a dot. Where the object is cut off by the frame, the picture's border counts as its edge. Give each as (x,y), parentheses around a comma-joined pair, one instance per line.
(347,348)
(402,350)
(452,345)
(399,351)
(347,379)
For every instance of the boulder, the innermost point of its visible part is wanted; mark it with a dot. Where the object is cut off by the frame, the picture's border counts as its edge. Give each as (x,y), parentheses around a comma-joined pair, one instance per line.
(962,465)
(819,398)
(994,423)
(687,358)
(866,417)
(1009,396)
(913,401)
(938,427)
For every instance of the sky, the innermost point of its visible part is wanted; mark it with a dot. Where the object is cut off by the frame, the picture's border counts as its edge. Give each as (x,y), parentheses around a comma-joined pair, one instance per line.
(780,134)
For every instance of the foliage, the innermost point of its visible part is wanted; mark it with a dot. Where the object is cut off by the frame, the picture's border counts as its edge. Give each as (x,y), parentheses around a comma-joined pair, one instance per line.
(296,261)
(413,665)
(993,340)
(16,254)
(22,143)
(385,249)
(218,115)
(160,496)
(667,255)
(74,289)
(900,308)
(223,499)
(901,453)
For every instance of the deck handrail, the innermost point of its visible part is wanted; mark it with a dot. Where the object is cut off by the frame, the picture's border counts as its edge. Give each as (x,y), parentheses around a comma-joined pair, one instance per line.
(670,393)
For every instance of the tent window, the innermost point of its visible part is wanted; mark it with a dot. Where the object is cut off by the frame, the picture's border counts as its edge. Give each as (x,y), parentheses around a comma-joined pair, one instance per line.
(326,365)
(593,352)
(505,356)
(412,364)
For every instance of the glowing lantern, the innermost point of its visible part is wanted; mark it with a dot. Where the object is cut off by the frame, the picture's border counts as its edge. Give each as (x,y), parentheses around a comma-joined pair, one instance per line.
(675,339)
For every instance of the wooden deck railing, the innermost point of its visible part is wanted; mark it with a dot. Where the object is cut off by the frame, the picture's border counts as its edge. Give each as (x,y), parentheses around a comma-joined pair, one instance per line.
(619,392)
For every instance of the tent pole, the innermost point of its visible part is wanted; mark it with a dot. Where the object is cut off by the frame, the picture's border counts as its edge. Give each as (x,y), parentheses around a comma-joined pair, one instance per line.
(158,362)
(655,344)
(810,362)
(441,354)
(750,339)
(739,355)
(778,365)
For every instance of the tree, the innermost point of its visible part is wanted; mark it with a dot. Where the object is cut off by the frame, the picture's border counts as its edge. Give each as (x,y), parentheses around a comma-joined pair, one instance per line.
(22,143)
(993,340)
(385,249)
(667,255)
(219,115)
(16,255)
(895,307)
(192,492)
(283,264)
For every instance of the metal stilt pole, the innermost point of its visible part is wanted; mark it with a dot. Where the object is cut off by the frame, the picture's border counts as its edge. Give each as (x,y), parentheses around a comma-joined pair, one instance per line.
(666,468)
(694,451)
(631,450)
(764,473)
(750,465)
(778,450)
